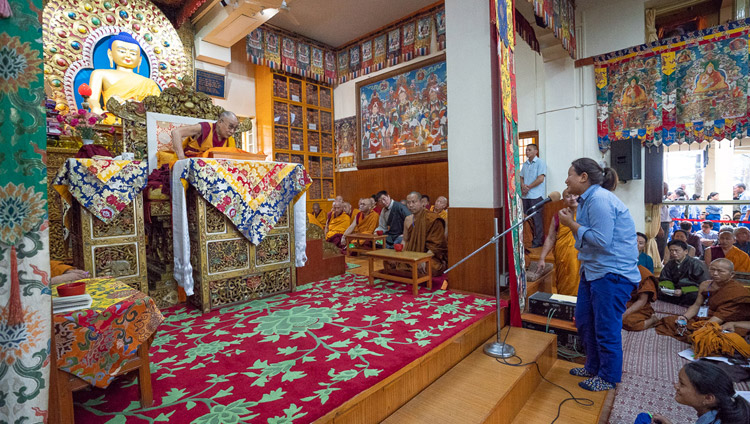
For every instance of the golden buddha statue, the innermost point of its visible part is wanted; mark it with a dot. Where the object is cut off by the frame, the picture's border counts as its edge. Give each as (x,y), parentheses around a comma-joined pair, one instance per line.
(121,83)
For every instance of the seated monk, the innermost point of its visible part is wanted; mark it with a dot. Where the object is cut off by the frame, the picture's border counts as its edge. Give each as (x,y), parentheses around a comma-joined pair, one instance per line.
(721,299)
(681,276)
(365,221)
(560,238)
(63,273)
(727,249)
(639,314)
(317,217)
(197,140)
(336,224)
(424,231)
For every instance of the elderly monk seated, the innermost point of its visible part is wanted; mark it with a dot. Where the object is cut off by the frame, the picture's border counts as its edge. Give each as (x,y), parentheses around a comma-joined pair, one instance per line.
(318,216)
(198,140)
(726,249)
(424,231)
(681,276)
(63,273)
(639,314)
(336,224)
(720,299)
(365,222)
(742,239)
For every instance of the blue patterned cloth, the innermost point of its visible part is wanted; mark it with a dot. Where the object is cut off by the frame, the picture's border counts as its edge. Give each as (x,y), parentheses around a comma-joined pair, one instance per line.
(104,197)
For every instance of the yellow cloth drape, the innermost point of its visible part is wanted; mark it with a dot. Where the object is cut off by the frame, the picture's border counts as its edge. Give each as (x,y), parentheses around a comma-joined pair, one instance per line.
(739,258)
(567,266)
(367,224)
(314,220)
(337,225)
(58,268)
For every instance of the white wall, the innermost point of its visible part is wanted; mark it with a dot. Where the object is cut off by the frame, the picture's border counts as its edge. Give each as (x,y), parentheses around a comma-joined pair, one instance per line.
(240,84)
(563,97)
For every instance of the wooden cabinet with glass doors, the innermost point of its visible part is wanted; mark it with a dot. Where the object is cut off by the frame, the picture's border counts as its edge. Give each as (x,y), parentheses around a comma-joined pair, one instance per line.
(295,122)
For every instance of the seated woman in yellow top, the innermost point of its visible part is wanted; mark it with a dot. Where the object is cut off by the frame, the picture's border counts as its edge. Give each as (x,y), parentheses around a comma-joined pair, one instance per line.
(196,140)
(121,83)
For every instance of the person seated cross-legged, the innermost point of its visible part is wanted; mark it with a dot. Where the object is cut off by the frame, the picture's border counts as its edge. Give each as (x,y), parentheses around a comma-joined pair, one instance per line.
(640,315)
(727,249)
(679,280)
(720,299)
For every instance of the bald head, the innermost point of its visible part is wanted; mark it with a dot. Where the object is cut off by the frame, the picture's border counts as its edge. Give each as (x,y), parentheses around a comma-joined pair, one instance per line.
(721,270)
(441,203)
(414,202)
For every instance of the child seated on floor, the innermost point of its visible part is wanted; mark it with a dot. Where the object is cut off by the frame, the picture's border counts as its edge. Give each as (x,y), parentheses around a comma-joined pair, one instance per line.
(706,388)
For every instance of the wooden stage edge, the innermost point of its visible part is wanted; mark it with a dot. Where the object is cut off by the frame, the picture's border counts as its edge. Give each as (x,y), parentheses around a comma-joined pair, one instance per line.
(381,400)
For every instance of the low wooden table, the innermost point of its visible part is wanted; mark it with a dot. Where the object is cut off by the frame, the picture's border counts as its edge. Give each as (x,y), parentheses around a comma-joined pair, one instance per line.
(372,238)
(412,258)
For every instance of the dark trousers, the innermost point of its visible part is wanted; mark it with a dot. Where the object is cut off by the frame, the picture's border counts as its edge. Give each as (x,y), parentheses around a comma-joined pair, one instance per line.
(537,221)
(599,309)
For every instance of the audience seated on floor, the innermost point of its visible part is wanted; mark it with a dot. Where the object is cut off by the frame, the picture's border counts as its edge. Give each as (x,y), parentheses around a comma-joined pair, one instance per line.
(64,273)
(683,236)
(639,314)
(644,259)
(318,216)
(720,299)
(693,240)
(705,387)
(560,238)
(681,276)
(707,234)
(392,217)
(336,224)
(365,222)
(424,231)
(742,239)
(726,249)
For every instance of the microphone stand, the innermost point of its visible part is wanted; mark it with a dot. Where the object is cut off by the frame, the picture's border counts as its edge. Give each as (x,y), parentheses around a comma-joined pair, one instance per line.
(496,349)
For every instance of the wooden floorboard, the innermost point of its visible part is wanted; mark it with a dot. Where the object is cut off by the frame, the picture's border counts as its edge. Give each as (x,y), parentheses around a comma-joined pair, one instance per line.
(543,404)
(480,389)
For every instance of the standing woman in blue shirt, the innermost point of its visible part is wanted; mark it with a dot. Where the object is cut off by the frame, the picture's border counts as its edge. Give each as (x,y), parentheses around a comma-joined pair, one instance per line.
(609,270)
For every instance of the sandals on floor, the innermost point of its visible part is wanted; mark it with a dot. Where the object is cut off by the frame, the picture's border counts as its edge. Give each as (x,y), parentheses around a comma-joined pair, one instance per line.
(581,372)
(596,384)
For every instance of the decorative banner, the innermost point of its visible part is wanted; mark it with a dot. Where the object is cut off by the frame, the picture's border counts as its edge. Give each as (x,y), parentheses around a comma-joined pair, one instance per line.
(407,41)
(354,63)
(255,46)
(316,66)
(343,58)
(526,31)
(330,65)
(345,135)
(424,36)
(303,58)
(25,317)
(379,56)
(273,52)
(687,89)
(366,57)
(440,28)
(509,120)
(288,54)
(559,16)
(394,47)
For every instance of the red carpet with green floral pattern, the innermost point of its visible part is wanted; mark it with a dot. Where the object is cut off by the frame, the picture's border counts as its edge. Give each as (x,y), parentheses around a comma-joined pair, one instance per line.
(288,358)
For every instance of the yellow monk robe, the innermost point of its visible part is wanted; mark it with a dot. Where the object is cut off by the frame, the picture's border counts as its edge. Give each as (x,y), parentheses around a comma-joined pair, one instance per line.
(739,258)
(313,220)
(444,214)
(58,268)
(366,224)
(567,266)
(321,217)
(207,142)
(337,225)
(428,233)
(131,87)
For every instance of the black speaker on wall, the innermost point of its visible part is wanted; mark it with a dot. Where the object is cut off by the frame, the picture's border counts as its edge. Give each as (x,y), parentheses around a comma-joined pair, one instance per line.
(625,157)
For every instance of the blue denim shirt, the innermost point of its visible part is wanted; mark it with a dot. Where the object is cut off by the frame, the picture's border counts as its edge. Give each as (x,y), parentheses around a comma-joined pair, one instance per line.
(529,172)
(606,239)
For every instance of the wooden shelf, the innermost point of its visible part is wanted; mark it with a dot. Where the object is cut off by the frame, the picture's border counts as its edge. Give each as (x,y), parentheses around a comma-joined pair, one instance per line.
(554,322)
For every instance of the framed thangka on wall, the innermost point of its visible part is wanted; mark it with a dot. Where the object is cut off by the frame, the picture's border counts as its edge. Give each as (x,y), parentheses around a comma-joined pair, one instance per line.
(402,116)
(346,143)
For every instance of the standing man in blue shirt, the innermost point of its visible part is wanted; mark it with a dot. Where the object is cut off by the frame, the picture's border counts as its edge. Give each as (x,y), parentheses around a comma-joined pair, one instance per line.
(533,189)
(608,252)
(740,190)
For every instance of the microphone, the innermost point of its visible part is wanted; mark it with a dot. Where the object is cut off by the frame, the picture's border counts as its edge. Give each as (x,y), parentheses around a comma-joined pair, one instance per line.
(553,197)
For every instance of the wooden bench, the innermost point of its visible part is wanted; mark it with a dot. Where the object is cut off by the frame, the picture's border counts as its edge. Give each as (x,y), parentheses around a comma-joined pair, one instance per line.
(414,259)
(363,238)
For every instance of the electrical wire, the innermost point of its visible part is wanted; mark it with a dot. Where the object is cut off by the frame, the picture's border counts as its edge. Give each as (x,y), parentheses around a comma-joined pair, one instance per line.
(581,401)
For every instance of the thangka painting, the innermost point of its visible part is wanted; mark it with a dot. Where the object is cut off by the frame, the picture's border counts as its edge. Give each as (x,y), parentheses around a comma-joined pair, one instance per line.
(402,116)
(346,143)
(680,90)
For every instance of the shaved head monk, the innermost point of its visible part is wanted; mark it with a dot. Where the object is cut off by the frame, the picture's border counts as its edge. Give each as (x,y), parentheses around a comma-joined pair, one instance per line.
(424,231)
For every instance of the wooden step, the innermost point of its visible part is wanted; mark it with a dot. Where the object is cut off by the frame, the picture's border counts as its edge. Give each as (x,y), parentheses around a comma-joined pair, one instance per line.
(480,389)
(543,403)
